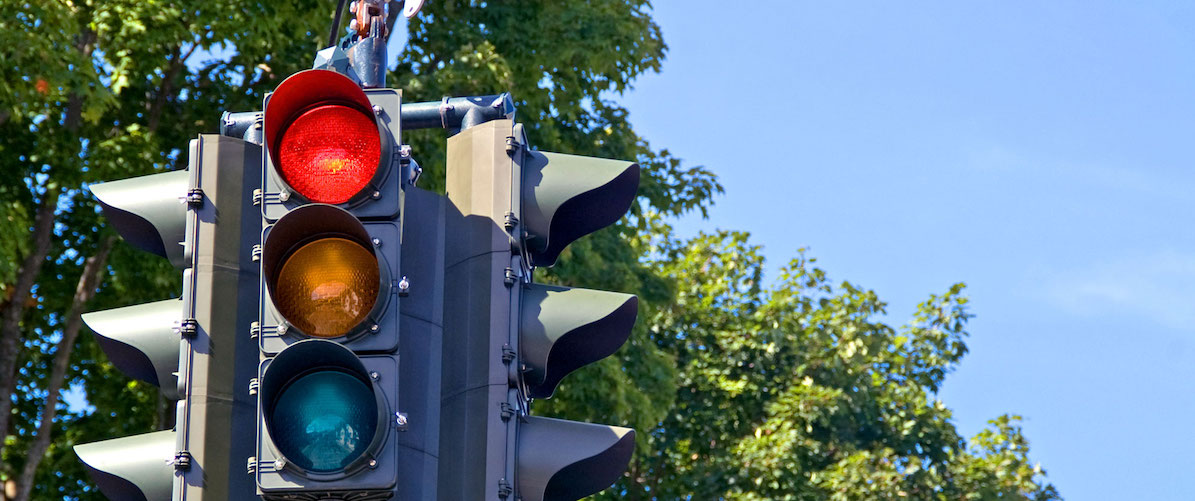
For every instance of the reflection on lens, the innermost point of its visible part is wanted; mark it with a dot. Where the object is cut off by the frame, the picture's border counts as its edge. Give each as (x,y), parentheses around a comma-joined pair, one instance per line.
(327,287)
(330,153)
(324,420)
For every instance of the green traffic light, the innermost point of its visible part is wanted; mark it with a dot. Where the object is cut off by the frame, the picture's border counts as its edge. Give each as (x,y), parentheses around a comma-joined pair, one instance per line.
(323,421)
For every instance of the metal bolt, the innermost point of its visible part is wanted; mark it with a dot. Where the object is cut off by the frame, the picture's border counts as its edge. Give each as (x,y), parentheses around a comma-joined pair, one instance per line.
(377,242)
(279,464)
(400,419)
(376,195)
(284,195)
(375,328)
(404,286)
(373,463)
(281,329)
(377,110)
(374,376)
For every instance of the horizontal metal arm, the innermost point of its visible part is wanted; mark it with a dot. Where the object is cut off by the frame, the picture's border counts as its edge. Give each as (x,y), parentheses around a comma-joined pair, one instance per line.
(457,113)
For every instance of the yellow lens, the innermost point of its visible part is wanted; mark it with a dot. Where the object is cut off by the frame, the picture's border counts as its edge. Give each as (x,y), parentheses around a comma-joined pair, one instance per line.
(327,287)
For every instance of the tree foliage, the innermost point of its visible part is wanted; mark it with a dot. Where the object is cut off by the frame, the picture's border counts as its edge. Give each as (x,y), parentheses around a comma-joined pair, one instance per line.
(740,387)
(799,389)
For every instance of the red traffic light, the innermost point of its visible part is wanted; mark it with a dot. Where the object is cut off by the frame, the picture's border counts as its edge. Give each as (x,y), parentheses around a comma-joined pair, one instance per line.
(323,138)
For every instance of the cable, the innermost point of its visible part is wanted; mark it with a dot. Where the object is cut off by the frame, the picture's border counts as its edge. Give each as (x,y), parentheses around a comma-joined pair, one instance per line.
(336,22)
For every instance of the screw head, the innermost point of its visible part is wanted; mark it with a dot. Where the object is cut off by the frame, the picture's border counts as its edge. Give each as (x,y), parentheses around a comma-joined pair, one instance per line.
(282,329)
(373,463)
(376,195)
(377,242)
(284,195)
(377,110)
(374,376)
(375,328)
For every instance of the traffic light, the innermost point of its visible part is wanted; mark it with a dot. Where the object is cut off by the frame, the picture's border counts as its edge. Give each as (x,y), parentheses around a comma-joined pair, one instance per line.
(193,347)
(508,340)
(140,340)
(328,329)
(137,467)
(328,141)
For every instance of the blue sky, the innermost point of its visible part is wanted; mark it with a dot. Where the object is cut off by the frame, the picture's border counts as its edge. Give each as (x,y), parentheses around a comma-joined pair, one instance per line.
(1041,152)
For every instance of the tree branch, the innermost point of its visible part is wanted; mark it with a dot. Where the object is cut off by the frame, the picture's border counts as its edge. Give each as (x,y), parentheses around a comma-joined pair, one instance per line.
(166,91)
(89,281)
(74,104)
(10,323)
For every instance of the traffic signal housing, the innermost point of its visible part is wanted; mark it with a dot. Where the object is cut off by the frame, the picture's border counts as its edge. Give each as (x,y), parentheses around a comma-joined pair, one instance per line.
(328,330)
(170,343)
(141,340)
(508,340)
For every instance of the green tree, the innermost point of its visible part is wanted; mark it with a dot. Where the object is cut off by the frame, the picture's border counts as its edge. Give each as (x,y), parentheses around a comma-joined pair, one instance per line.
(739,390)
(798,390)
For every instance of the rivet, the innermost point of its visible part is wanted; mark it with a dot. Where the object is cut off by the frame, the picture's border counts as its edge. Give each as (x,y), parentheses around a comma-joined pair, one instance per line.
(377,242)
(284,195)
(374,376)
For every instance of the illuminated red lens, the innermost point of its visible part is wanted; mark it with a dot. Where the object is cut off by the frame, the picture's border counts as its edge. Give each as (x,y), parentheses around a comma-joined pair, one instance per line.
(329,153)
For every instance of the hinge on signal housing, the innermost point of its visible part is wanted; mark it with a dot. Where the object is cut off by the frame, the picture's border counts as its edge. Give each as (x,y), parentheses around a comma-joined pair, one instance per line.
(506,411)
(504,489)
(194,197)
(256,253)
(512,145)
(257,197)
(188,328)
(510,221)
(508,354)
(182,461)
(251,465)
(509,277)
(253,385)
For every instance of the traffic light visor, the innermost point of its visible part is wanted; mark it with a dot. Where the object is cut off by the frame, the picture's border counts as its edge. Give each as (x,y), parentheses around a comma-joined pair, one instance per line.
(324,140)
(137,467)
(566,197)
(322,273)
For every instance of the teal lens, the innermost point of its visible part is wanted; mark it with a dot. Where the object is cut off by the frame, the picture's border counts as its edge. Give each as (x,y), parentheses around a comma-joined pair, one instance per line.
(324,420)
